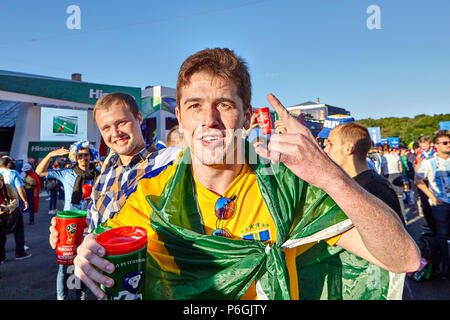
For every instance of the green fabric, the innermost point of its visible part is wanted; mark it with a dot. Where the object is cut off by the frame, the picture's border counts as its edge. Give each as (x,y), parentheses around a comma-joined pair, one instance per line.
(221,268)
(332,273)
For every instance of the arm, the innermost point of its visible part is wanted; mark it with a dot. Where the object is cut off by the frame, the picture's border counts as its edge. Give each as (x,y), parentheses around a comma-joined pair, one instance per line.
(17,182)
(23,196)
(42,167)
(420,183)
(253,124)
(423,171)
(373,220)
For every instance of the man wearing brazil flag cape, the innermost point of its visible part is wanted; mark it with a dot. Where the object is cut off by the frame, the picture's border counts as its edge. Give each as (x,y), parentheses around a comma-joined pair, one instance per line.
(227,221)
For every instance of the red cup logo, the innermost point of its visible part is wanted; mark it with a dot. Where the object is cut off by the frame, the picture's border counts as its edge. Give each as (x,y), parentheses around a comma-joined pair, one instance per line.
(71,229)
(264,120)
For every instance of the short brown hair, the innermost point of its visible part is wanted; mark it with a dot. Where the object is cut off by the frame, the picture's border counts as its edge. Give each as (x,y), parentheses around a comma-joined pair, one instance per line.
(423,139)
(439,134)
(109,99)
(358,135)
(222,63)
(174,136)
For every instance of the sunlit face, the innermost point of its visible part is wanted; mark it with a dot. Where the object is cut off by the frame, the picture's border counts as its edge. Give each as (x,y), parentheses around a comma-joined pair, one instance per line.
(83,157)
(335,148)
(120,130)
(425,146)
(211,115)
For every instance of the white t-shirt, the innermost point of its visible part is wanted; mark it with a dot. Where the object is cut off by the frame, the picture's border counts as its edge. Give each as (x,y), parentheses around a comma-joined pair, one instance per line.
(393,162)
(437,171)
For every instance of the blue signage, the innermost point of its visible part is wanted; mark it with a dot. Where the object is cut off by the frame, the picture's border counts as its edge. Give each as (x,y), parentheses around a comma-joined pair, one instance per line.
(444,125)
(394,142)
(375,135)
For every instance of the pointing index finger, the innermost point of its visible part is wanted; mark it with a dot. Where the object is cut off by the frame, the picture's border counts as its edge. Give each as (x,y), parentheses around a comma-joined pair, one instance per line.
(279,108)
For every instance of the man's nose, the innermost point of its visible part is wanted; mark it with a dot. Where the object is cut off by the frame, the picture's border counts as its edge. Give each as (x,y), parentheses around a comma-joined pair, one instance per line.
(211,117)
(115,131)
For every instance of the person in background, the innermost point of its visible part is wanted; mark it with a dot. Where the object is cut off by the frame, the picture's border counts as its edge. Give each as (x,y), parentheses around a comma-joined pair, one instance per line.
(75,181)
(375,157)
(9,202)
(129,159)
(426,149)
(436,169)
(394,169)
(31,186)
(52,186)
(175,137)
(347,146)
(13,178)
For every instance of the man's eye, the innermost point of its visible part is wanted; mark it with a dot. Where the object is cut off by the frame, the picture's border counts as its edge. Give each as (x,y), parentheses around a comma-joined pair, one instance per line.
(224,106)
(194,106)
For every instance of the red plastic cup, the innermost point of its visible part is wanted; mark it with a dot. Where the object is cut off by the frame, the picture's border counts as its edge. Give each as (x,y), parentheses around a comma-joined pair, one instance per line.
(70,226)
(87,189)
(264,120)
(126,248)
(123,240)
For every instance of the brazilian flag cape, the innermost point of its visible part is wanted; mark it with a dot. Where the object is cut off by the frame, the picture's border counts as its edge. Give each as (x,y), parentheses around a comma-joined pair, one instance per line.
(212,267)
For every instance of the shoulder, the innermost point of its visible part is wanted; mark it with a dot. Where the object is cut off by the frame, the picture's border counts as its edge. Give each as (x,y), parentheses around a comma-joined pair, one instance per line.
(372,181)
(160,160)
(426,164)
(153,182)
(15,178)
(381,188)
(14,173)
(165,155)
(61,174)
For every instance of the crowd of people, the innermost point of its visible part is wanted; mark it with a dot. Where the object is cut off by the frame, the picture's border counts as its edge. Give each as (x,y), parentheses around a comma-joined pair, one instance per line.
(326,207)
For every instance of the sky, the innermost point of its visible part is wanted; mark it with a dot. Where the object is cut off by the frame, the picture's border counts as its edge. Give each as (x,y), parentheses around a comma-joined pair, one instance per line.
(391,62)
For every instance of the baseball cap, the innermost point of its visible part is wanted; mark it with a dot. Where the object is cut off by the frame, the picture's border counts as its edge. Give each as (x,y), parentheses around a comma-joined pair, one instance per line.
(26,167)
(333,121)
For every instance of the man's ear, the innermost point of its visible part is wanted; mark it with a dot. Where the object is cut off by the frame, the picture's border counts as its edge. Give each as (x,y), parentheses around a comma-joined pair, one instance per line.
(349,148)
(178,115)
(248,116)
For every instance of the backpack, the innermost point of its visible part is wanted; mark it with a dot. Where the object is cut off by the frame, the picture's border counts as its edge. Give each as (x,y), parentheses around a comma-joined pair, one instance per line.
(51,184)
(430,249)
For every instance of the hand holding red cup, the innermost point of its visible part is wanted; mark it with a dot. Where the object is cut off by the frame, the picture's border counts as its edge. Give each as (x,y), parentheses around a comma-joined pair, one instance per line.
(264,120)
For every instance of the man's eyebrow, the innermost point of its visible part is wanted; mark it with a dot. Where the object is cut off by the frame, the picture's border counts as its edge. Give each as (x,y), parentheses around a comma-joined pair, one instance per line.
(222,99)
(116,121)
(192,100)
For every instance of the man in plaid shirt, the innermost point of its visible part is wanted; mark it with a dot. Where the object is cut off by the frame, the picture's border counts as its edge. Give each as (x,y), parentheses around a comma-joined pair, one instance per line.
(119,121)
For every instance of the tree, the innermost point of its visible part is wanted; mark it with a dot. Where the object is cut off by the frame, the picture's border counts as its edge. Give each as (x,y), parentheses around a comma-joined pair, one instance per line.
(408,129)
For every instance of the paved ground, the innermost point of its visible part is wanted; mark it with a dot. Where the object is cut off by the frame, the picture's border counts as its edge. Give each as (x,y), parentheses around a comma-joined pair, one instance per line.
(35,278)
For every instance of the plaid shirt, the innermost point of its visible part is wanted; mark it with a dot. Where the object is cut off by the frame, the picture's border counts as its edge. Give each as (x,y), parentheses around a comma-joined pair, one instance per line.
(115,183)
